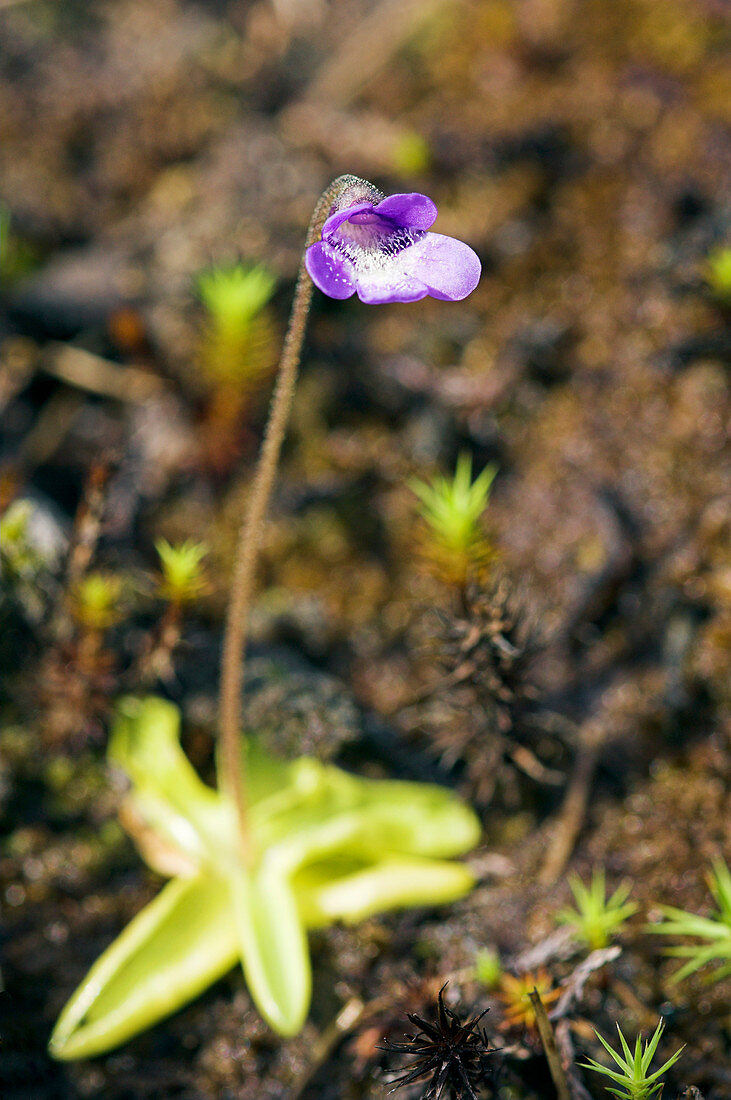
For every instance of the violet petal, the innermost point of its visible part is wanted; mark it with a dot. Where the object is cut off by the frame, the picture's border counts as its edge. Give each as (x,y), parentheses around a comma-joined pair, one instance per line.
(448,267)
(413,210)
(388,285)
(329,271)
(335,220)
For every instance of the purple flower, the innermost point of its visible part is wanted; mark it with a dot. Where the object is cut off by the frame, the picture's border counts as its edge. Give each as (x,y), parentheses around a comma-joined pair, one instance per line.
(380,248)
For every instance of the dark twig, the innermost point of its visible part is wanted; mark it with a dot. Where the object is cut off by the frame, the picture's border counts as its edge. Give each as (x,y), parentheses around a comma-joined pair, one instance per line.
(573,810)
(548,1039)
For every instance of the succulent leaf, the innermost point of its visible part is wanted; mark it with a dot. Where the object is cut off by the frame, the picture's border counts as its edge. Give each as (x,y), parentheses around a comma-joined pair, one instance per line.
(328,846)
(273,946)
(174,948)
(328,892)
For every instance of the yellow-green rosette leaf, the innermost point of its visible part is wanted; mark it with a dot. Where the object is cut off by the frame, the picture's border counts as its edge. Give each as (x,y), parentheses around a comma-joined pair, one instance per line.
(273,947)
(176,947)
(416,819)
(333,891)
(166,793)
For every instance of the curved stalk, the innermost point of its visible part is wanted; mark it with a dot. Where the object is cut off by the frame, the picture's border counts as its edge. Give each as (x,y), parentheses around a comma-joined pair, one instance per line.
(231,770)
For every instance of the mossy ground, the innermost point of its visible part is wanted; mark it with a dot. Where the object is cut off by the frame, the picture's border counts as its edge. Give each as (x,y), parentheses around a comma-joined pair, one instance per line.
(581,148)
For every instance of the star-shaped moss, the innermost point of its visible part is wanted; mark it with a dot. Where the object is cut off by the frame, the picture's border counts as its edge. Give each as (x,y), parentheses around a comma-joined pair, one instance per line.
(329,846)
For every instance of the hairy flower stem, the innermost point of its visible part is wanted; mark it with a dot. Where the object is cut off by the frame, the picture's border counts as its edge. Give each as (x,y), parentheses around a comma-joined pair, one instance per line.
(231,770)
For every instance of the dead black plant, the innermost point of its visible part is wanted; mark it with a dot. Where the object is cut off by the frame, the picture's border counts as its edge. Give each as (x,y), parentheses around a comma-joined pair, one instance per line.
(481,710)
(449,1052)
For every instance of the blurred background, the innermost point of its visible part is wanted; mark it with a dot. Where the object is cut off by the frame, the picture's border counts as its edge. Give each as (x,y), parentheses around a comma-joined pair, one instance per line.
(159,163)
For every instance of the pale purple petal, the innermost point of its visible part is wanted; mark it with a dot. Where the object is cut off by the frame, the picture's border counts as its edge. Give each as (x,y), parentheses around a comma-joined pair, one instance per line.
(336,220)
(379,246)
(388,285)
(412,209)
(448,267)
(329,271)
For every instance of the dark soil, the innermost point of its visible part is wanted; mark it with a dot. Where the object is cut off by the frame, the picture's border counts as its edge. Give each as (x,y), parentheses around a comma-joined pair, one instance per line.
(581,147)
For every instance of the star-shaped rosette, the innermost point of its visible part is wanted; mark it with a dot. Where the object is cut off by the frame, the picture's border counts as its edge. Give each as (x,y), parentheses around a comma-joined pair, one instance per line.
(329,846)
(380,248)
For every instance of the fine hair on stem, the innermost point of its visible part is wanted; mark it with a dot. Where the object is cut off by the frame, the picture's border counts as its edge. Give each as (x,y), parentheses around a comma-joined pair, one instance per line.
(231,767)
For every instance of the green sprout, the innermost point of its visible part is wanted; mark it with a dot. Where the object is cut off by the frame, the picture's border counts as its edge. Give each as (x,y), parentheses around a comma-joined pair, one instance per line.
(488,968)
(4,235)
(183,579)
(22,563)
(410,154)
(17,553)
(718,272)
(17,256)
(452,509)
(595,917)
(328,846)
(715,930)
(234,295)
(633,1079)
(96,600)
(236,346)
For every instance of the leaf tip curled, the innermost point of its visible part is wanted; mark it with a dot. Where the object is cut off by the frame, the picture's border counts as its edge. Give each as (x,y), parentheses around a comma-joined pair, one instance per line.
(57,1045)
